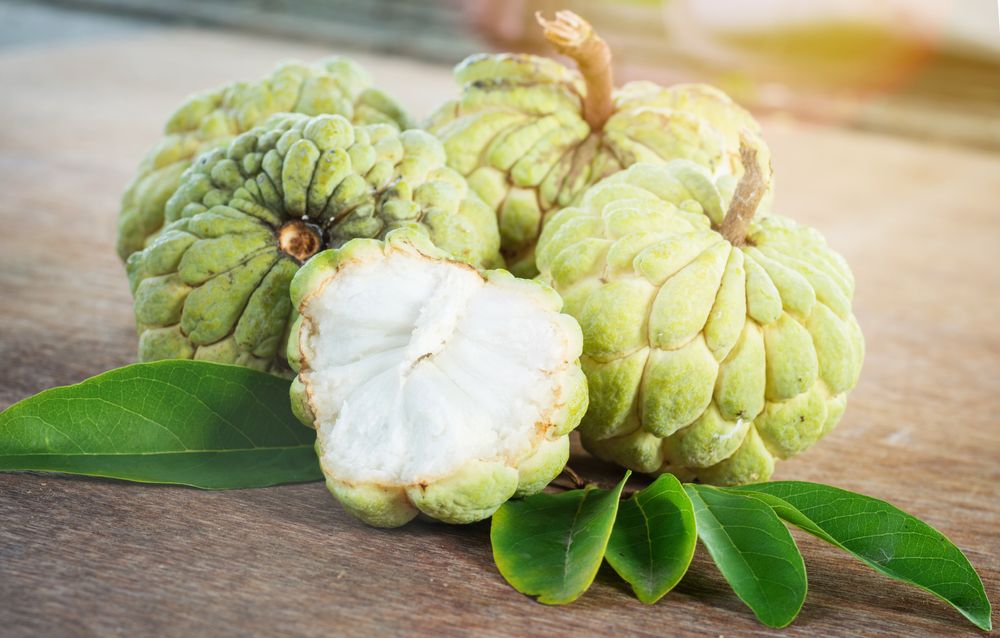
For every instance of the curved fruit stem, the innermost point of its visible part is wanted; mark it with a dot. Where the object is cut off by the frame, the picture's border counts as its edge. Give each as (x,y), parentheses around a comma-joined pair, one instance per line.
(749,191)
(573,476)
(575,38)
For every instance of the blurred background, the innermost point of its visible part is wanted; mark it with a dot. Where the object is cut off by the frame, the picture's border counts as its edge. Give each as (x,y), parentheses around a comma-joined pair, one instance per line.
(921,68)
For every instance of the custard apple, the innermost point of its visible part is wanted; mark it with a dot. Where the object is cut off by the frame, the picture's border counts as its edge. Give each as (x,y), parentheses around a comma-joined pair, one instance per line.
(214,283)
(714,342)
(210,120)
(531,134)
(435,388)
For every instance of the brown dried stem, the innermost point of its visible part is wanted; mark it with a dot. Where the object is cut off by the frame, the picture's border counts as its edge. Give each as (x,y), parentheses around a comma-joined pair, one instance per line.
(573,476)
(749,191)
(575,38)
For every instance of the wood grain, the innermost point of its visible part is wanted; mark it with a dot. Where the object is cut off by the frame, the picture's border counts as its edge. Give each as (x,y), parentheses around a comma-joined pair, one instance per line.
(78,557)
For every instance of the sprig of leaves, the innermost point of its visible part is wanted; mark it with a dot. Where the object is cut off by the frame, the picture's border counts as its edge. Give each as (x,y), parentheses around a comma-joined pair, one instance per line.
(192,423)
(653,533)
(216,426)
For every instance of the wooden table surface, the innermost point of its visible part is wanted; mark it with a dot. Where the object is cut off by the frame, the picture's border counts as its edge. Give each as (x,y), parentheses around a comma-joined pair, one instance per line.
(919,224)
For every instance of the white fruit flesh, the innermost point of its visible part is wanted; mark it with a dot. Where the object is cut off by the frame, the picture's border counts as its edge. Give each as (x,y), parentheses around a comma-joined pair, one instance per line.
(417,366)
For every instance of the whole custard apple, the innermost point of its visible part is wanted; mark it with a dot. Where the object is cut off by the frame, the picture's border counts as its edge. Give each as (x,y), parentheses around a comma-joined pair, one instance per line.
(713,342)
(207,120)
(434,388)
(214,283)
(531,134)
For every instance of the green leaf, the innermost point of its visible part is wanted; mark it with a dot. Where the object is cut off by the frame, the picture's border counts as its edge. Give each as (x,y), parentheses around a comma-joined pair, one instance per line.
(551,545)
(188,422)
(753,550)
(653,538)
(886,538)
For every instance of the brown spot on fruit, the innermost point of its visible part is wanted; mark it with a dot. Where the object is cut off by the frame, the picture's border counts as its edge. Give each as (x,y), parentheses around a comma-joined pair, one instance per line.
(299,240)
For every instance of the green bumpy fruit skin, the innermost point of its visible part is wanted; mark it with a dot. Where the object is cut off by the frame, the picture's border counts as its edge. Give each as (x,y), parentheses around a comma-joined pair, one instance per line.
(335,86)
(518,134)
(479,487)
(704,359)
(213,284)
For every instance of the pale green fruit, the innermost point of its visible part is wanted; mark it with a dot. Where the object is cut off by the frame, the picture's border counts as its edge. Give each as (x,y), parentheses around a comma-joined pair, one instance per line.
(435,388)
(214,283)
(520,133)
(704,358)
(207,120)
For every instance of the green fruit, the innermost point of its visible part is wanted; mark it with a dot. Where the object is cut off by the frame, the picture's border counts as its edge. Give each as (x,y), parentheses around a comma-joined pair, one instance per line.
(213,284)
(707,356)
(435,388)
(211,119)
(531,135)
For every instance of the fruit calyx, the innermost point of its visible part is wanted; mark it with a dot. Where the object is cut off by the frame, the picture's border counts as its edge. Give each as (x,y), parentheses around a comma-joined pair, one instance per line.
(575,38)
(749,191)
(299,240)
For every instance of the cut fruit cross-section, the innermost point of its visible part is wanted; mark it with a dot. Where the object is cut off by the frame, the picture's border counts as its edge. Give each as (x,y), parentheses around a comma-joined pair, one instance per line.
(433,387)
